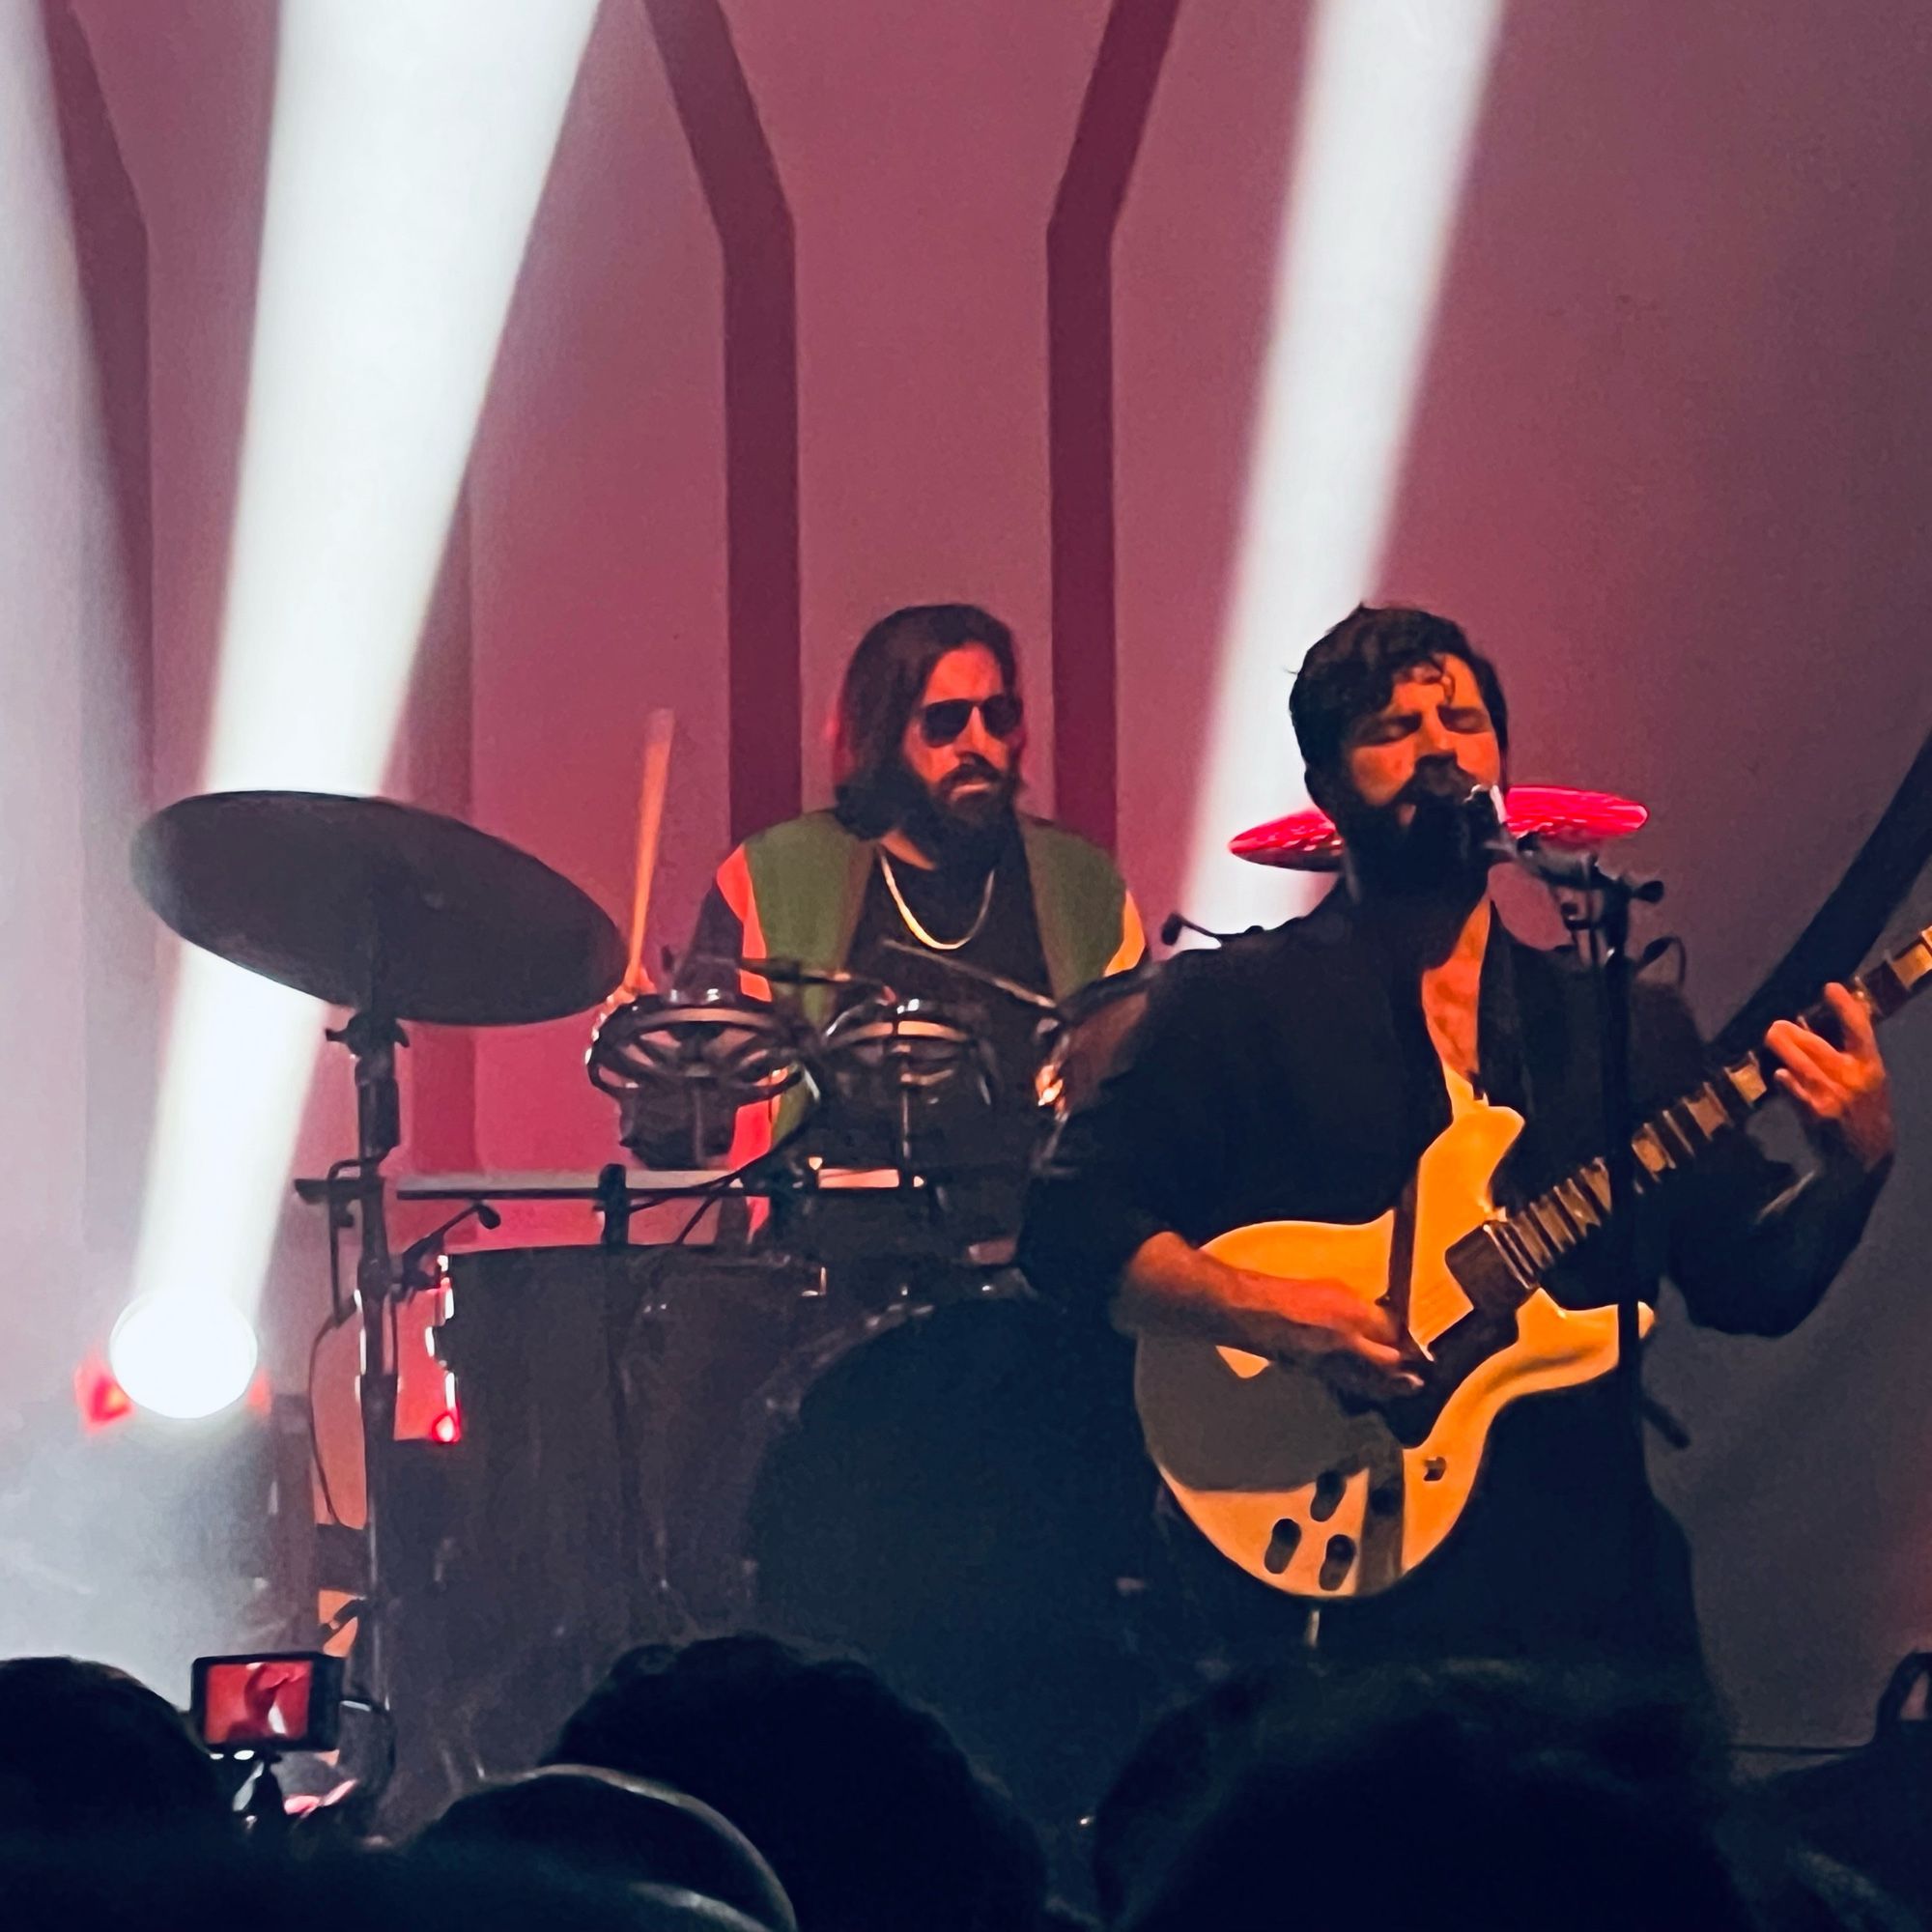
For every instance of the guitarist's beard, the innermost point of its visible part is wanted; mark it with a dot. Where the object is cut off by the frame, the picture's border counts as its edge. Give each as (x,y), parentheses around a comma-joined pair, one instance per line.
(1439,857)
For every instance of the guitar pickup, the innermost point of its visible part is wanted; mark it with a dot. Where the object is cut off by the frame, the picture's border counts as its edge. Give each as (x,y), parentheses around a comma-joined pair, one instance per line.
(1484,1272)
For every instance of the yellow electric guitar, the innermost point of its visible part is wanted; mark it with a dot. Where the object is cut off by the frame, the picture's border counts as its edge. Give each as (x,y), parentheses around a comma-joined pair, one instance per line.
(1326,1498)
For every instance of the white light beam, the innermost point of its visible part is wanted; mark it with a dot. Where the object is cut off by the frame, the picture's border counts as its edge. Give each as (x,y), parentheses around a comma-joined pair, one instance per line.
(1388,110)
(411,144)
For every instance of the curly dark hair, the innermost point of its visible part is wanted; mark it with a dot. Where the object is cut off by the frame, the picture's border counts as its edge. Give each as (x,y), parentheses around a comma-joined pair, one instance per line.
(1351,672)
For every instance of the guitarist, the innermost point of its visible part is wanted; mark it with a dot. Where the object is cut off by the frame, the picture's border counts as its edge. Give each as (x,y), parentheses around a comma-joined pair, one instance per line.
(1299,1074)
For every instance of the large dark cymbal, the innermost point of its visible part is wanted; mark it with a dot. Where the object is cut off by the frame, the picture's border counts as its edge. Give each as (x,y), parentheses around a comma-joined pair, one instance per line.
(379,906)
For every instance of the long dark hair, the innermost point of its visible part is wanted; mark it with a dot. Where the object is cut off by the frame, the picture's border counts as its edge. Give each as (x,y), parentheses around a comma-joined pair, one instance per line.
(883,682)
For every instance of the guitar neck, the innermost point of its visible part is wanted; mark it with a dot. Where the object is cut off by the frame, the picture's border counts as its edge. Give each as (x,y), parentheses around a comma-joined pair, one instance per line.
(1560,1218)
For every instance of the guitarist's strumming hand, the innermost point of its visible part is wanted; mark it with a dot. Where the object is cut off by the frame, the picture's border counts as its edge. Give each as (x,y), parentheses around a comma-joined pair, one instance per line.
(1171,1288)
(1349,1343)
(1842,1091)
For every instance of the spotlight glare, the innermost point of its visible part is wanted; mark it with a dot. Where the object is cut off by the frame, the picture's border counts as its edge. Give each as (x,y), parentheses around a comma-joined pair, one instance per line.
(1368,227)
(409,147)
(184,1355)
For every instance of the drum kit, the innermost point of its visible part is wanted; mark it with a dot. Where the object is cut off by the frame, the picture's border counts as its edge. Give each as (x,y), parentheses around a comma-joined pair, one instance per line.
(399,915)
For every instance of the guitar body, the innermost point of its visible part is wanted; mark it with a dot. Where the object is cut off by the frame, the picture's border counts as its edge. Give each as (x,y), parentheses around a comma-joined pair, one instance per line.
(1320,1497)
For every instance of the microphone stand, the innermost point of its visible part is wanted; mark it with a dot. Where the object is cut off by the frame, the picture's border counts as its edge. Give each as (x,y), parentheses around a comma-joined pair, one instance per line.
(1602,923)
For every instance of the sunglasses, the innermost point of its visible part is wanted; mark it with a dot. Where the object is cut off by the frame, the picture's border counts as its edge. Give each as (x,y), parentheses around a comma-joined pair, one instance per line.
(942,723)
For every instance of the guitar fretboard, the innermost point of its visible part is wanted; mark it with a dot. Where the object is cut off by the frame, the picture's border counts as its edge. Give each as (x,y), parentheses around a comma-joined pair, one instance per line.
(1543,1230)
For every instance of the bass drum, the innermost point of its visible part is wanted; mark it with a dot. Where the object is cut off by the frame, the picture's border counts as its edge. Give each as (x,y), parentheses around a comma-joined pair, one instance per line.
(964,1503)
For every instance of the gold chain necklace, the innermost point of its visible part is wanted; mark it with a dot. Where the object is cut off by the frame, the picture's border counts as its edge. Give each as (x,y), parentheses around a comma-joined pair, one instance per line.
(918,932)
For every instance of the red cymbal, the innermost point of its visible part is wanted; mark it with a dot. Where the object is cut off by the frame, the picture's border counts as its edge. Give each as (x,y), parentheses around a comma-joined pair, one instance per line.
(1557,816)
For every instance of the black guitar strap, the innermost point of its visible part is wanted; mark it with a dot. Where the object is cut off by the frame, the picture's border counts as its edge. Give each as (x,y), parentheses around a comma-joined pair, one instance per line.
(1402,1256)
(1380,1553)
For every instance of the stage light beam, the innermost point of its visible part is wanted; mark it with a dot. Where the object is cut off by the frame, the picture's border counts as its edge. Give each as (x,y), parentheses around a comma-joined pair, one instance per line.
(1388,110)
(409,146)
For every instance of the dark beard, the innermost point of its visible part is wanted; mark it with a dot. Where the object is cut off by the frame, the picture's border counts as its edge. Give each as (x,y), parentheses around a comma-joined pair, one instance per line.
(962,835)
(1439,854)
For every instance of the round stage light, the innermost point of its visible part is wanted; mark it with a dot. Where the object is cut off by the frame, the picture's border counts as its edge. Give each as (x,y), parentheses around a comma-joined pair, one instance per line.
(184,1356)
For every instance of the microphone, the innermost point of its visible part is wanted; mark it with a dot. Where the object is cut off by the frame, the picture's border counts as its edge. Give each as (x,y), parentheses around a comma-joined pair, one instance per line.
(1487,818)
(409,1272)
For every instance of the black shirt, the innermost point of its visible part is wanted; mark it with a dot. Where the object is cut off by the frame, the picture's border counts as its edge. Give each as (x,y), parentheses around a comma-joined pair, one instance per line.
(982,1134)
(1290,1076)
(981,1130)
(947,903)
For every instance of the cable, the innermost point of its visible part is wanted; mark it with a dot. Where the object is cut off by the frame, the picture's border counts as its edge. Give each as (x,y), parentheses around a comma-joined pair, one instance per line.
(322,1334)
(715,1190)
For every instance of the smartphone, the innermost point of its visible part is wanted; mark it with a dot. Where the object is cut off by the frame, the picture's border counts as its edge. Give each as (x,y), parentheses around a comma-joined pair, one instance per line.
(282,1700)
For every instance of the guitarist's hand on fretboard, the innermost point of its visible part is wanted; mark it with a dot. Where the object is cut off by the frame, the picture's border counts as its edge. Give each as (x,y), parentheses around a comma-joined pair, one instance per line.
(1842,1091)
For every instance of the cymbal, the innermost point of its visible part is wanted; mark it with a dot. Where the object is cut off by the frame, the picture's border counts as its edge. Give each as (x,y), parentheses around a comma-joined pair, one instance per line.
(1557,816)
(382,907)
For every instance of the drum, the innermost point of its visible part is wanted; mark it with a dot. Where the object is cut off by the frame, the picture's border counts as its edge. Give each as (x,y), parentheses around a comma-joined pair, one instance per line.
(926,1465)
(896,1061)
(684,1063)
(618,1406)
(964,1503)
(884,1048)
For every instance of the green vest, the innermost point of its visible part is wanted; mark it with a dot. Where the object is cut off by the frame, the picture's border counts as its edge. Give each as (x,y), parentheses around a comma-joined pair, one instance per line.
(808,878)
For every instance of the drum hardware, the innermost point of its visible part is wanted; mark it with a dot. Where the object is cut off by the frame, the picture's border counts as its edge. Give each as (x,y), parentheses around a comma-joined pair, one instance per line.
(411,1274)
(705,1054)
(710,1052)
(791,973)
(904,1054)
(642,1186)
(979,975)
(397,913)
(1080,1034)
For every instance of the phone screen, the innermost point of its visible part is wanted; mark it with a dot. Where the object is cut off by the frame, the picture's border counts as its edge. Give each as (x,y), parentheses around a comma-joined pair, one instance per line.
(285,1701)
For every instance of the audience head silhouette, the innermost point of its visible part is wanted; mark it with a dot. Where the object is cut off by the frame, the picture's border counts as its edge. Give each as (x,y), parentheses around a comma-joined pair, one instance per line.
(87,1749)
(1463,1795)
(604,1825)
(870,1813)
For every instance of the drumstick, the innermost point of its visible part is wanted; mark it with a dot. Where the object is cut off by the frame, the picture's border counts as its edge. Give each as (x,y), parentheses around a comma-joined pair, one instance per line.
(658,730)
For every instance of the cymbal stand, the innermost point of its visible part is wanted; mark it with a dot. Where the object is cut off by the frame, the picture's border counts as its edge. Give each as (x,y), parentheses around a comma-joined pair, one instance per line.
(372,1041)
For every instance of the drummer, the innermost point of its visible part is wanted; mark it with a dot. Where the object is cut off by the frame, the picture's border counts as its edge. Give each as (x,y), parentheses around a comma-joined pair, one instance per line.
(925,846)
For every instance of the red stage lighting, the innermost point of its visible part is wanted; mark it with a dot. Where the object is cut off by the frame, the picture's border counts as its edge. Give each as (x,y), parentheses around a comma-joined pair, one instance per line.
(447,1427)
(99,1397)
(1572,821)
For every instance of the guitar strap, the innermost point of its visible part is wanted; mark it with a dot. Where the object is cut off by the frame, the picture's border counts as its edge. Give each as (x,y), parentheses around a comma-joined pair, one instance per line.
(1380,1555)
(1402,1256)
